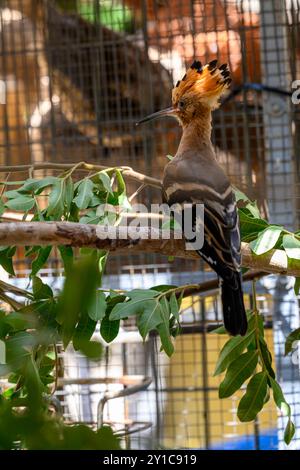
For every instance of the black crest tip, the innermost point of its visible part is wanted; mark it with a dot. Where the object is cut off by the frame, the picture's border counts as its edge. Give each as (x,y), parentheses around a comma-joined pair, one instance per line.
(212,64)
(196,65)
(223,67)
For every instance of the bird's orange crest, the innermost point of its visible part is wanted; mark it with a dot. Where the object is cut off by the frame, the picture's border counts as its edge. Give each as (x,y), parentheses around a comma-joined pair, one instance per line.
(206,84)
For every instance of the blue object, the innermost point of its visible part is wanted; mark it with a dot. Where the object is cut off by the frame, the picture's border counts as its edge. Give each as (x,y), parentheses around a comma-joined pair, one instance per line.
(268,440)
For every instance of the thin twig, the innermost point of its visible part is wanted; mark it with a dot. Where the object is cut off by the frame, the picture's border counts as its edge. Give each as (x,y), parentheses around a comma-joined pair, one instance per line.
(137,192)
(213,284)
(5,287)
(56,369)
(13,303)
(4,184)
(126,170)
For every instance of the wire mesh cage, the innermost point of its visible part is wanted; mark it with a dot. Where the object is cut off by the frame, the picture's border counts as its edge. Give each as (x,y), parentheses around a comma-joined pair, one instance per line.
(75,76)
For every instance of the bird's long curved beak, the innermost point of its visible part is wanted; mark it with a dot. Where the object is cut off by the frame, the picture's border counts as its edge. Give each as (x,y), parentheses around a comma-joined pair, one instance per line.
(164,112)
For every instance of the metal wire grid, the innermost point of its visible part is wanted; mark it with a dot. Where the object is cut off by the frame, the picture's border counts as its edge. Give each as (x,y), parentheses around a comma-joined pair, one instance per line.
(78,77)
(182,402)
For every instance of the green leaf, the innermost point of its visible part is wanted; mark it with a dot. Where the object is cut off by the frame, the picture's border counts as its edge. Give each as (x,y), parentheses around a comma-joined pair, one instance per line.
(120,182)
(19,321)
(256,320)
(279,399)
(34,385)
(249,225)
(266,356)
(97,307)
(81,339)
(239,195)
(67,255)
(266,240)
(77,293)
(46,368)
(109,329)
(105,180)
(37,184)
(253,400)
(84,330)
(291,246)
(2,207)
(79,436)
(6,260)
(69,193)
(97,199)
(180,298)
(84,194)
(231,350)
(41,290)
(164,333)
(174,307)
(18,348)
(289,432)
(166,341)
(4,327)
(150,317)
(219,331)
(124,203)
(113,299)
(292,337)
(57,199)
(169,157)
(134,306)
(13,194)
(103,255)
(91,349)
(253,209)
(141,294)
(297,285)
(85,251)
(90,218)
(21,203)
(165,309)
(251,206)
(163,287)
(238,371)
(40,260)
(285,409)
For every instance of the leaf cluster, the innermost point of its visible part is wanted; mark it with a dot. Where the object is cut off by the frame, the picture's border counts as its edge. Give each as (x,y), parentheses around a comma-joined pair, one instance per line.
(30,331)
(247,360)
(263,237)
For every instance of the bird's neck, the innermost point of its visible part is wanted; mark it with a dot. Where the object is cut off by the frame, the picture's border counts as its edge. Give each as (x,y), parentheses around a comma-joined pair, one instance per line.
(196,134)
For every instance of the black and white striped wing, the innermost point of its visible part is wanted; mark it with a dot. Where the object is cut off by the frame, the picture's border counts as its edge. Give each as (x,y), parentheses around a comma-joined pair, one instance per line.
(221,248)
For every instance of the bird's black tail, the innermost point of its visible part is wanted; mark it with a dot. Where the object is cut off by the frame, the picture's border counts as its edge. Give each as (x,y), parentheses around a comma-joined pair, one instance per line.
(235,320)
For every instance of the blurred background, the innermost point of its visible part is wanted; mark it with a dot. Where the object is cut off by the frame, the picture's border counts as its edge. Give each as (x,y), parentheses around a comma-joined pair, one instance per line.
(75,76)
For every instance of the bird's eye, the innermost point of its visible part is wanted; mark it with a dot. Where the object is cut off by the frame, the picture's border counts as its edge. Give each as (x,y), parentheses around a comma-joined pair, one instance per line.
(181,104)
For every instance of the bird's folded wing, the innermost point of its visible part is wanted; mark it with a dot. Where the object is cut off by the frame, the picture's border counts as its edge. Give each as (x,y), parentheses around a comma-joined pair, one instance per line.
(221,247)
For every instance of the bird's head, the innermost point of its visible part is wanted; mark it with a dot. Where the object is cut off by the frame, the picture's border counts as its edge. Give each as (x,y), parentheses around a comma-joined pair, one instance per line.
(198,91)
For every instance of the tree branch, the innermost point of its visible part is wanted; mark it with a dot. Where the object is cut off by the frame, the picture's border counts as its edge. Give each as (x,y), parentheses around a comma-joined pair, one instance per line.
(126,240)
(127,171)
(213,284)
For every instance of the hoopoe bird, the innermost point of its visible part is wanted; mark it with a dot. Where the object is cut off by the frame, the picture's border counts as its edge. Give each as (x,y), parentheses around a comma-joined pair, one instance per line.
(194,176)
